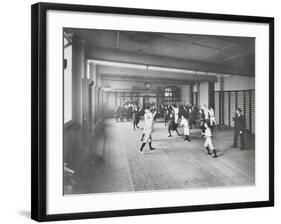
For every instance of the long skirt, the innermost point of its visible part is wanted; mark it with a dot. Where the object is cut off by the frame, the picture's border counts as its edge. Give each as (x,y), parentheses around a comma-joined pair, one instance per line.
(213,121)
(172,125)
(185,125)
(209,143)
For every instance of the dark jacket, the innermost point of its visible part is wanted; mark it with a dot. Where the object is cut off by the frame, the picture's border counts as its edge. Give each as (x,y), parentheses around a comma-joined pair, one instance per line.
(239,123)
(202,118)
(172,125)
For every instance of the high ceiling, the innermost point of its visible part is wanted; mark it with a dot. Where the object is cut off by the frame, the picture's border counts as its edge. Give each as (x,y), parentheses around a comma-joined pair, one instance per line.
(214,54)
(216,50)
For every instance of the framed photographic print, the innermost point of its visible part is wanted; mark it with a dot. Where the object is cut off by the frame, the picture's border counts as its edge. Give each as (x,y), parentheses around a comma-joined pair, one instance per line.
(138,111)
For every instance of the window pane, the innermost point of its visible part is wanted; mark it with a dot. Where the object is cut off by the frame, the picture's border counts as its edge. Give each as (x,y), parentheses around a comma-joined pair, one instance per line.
(172,93)
(68,84)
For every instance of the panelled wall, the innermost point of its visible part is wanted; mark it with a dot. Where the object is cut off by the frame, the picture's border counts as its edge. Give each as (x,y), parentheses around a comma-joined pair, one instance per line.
(229,93)
(227,101)
(119,98)
(124,91)
(115,99)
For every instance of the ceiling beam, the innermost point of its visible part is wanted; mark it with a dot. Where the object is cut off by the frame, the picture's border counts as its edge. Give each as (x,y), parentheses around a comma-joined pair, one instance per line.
(236,56)
(131,90)
(243,41)
(148,74)
(123,78)
(97,53)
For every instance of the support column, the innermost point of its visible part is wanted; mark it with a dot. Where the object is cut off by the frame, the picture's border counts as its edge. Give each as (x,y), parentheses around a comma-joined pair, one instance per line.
(203,92)
(211,91)
(191,94)
(78,63)
(221,83)
(107,100)
(185,94)
(92,74)
(138,100)
(198,94)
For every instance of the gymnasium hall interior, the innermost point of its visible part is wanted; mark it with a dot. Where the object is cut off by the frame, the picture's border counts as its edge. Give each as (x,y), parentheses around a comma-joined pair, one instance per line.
(109,69)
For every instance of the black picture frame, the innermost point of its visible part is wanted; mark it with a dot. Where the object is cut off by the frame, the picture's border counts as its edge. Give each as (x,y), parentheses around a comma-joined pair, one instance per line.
(39,108)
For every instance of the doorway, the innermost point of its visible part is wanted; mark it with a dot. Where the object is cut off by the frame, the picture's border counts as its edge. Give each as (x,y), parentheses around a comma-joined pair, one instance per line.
(145,100)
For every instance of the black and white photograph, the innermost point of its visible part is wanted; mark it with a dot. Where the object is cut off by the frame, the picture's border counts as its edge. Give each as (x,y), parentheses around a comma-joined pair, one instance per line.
(153,111)
(142,111)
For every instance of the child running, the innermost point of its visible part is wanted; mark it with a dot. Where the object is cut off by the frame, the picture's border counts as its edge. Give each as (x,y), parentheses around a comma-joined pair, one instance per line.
(208,142)
(147,129)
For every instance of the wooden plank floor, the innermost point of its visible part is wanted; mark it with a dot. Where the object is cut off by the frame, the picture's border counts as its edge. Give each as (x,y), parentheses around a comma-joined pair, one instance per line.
(117,165)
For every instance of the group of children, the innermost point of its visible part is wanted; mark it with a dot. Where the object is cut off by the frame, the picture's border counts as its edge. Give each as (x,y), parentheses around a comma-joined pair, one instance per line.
(183,113)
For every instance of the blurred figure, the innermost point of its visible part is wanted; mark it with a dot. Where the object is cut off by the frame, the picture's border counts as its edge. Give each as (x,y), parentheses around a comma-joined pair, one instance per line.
(136,117)
(172,125)
(118,113)
(193,117)
(206,113)
(166,115)
(202,121)
(184,122)
(176,113)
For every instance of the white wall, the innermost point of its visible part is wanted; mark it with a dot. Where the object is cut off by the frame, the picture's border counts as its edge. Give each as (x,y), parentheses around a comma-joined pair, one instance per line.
(112,101)
(78,59)
(235,83)
(67,83)
(203,94)
(185,94)
(239,83)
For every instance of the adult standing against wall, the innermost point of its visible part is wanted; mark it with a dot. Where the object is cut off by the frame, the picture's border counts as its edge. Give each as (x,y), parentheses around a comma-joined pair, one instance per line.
(135,117)
(239,128)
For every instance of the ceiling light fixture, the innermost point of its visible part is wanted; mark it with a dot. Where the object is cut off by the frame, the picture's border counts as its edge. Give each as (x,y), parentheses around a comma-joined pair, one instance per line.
(106,89)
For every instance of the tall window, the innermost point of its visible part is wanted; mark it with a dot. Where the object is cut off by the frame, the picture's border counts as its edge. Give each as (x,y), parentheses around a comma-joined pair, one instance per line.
(67,74)
(172,94)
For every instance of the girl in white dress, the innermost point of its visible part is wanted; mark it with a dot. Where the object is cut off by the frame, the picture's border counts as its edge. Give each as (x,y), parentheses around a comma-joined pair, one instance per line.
(208,142)
(184,123)
(176,113)
(147,129)
(185,115)
(213,121)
